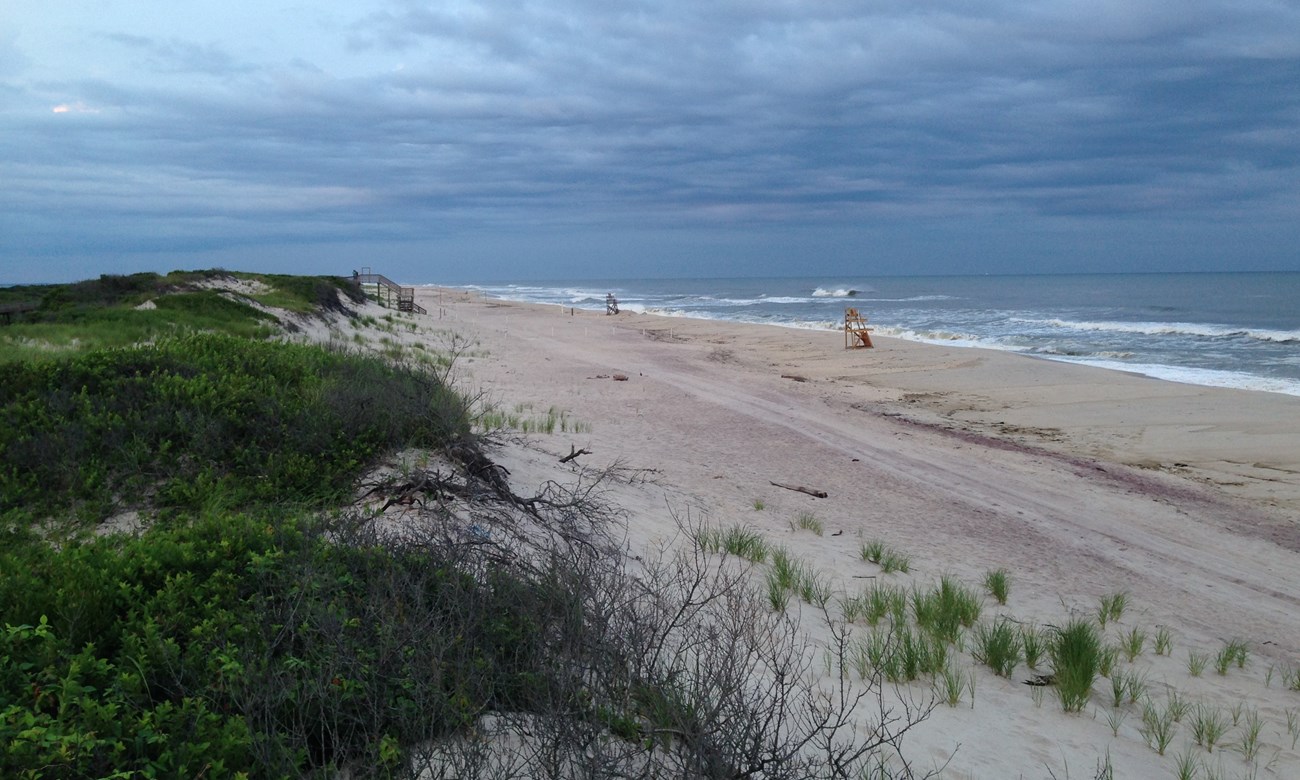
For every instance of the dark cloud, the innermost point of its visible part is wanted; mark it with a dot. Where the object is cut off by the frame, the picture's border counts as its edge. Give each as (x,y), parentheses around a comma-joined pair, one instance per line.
(421,122)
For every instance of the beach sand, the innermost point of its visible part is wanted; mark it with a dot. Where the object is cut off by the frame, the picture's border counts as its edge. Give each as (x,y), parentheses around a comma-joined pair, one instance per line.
(1080,482)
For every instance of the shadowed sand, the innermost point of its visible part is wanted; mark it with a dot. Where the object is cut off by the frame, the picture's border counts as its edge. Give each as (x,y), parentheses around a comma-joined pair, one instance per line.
(1079,481)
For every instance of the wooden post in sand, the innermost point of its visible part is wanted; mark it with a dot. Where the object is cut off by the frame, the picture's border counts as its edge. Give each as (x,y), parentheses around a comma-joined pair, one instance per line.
(856,332)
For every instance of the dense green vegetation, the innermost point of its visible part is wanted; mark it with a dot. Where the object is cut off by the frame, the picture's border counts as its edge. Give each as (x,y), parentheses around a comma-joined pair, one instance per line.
(248,643)
(236,634)
(206,420)
(116,311)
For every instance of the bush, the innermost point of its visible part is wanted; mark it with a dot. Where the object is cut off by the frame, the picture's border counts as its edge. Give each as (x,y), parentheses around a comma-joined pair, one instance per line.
(207,419)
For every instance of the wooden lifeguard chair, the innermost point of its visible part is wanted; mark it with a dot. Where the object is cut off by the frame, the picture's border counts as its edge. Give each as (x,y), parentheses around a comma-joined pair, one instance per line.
(856,333)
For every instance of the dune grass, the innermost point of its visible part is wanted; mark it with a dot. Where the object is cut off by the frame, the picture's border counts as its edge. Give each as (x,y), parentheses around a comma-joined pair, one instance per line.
(1111,607)
(808,521)
(998,646)
(887,558)
(998,584)
(1075,650)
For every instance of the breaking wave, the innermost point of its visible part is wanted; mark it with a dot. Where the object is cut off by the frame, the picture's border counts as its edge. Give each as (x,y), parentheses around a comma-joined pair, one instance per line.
(1176,329)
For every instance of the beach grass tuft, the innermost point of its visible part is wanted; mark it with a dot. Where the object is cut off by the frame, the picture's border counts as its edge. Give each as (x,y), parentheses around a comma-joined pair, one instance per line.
(745,542)
(947,609)
(950,683)
(1112,607)
(1158,728)
(778,595)
(1234,652)
(998,583)
(1076,650)
(808,521)
(886,557)
(1186,765)
(1133,643)
(1249,745)
(1034,643)
(1164,641)
(1209,724)
(998,646)
(1176,705)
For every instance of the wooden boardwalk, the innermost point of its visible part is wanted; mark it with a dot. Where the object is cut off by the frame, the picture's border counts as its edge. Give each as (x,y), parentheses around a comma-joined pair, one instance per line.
(8,310)
(387,291)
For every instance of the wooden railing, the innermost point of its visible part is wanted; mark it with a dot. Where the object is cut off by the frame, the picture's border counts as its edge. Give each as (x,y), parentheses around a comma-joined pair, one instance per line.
(387,291)
(8,310)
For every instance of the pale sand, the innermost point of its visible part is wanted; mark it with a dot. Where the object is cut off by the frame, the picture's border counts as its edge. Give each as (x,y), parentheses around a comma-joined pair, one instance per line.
(1080,482)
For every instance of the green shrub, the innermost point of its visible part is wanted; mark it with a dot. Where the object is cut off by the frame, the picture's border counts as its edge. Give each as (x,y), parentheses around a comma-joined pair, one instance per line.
(262,644)
(207,420)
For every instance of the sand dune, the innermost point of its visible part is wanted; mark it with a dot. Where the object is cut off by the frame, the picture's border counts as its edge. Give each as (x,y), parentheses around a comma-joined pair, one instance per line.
(1080,482)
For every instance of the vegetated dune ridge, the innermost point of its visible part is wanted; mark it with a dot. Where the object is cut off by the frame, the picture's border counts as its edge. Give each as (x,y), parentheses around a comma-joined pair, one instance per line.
(1081,483)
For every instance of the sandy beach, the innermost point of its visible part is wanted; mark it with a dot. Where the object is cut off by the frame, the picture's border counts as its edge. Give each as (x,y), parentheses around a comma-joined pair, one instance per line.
(1080,482)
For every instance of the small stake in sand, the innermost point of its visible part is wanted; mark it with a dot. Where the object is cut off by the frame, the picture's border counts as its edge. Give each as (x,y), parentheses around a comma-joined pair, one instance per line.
(856,332)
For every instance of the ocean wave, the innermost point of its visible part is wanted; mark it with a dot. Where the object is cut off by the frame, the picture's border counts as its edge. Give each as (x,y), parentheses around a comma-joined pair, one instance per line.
(1175,329)
(1055,351)
(950,338)
(841,292)
(1204,377)
(914,298)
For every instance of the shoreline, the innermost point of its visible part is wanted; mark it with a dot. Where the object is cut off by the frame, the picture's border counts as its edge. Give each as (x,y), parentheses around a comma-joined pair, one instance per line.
(1186,429)
(1079,481)
(1127,339)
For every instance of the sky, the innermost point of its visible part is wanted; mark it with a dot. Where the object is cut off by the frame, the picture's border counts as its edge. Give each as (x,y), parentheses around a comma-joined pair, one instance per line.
(461,141)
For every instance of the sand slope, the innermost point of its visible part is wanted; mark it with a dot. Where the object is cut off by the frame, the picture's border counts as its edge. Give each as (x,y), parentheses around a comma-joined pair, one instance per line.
(1080,482)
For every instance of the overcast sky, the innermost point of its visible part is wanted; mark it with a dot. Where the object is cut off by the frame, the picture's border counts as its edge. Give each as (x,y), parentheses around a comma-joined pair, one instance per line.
(542,139)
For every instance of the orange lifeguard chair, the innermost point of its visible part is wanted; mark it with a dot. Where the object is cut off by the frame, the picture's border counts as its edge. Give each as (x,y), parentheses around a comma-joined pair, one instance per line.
(856,332)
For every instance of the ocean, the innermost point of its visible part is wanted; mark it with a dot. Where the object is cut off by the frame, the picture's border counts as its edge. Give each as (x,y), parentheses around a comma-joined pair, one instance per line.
(1237,330)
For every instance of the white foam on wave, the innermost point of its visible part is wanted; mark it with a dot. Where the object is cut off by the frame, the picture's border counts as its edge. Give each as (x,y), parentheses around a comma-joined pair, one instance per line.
(1205,377)
(1175,329)
(840,292)
(943,337)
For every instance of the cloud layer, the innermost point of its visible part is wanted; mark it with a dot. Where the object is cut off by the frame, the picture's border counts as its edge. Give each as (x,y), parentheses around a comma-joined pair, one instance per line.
(228,126)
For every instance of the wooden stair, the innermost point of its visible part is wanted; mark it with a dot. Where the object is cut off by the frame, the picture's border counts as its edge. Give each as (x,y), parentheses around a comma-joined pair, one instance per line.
(388,292)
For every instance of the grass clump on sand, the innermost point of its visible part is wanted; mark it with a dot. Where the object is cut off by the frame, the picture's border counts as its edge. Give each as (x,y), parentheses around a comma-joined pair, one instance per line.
(946,610)
(737,540)
(886,557)
(1234,652)
(1111,607)
(1034,642)
(808,521)
(1075,651)
(998,584)
(998,646)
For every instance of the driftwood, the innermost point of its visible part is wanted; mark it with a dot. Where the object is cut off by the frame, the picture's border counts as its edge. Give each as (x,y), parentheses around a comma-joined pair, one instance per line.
(573,454)
(795,377)
(801,489)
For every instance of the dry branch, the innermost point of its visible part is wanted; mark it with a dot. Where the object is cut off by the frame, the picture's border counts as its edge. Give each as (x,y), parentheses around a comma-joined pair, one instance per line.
(574,453)
(801,489)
